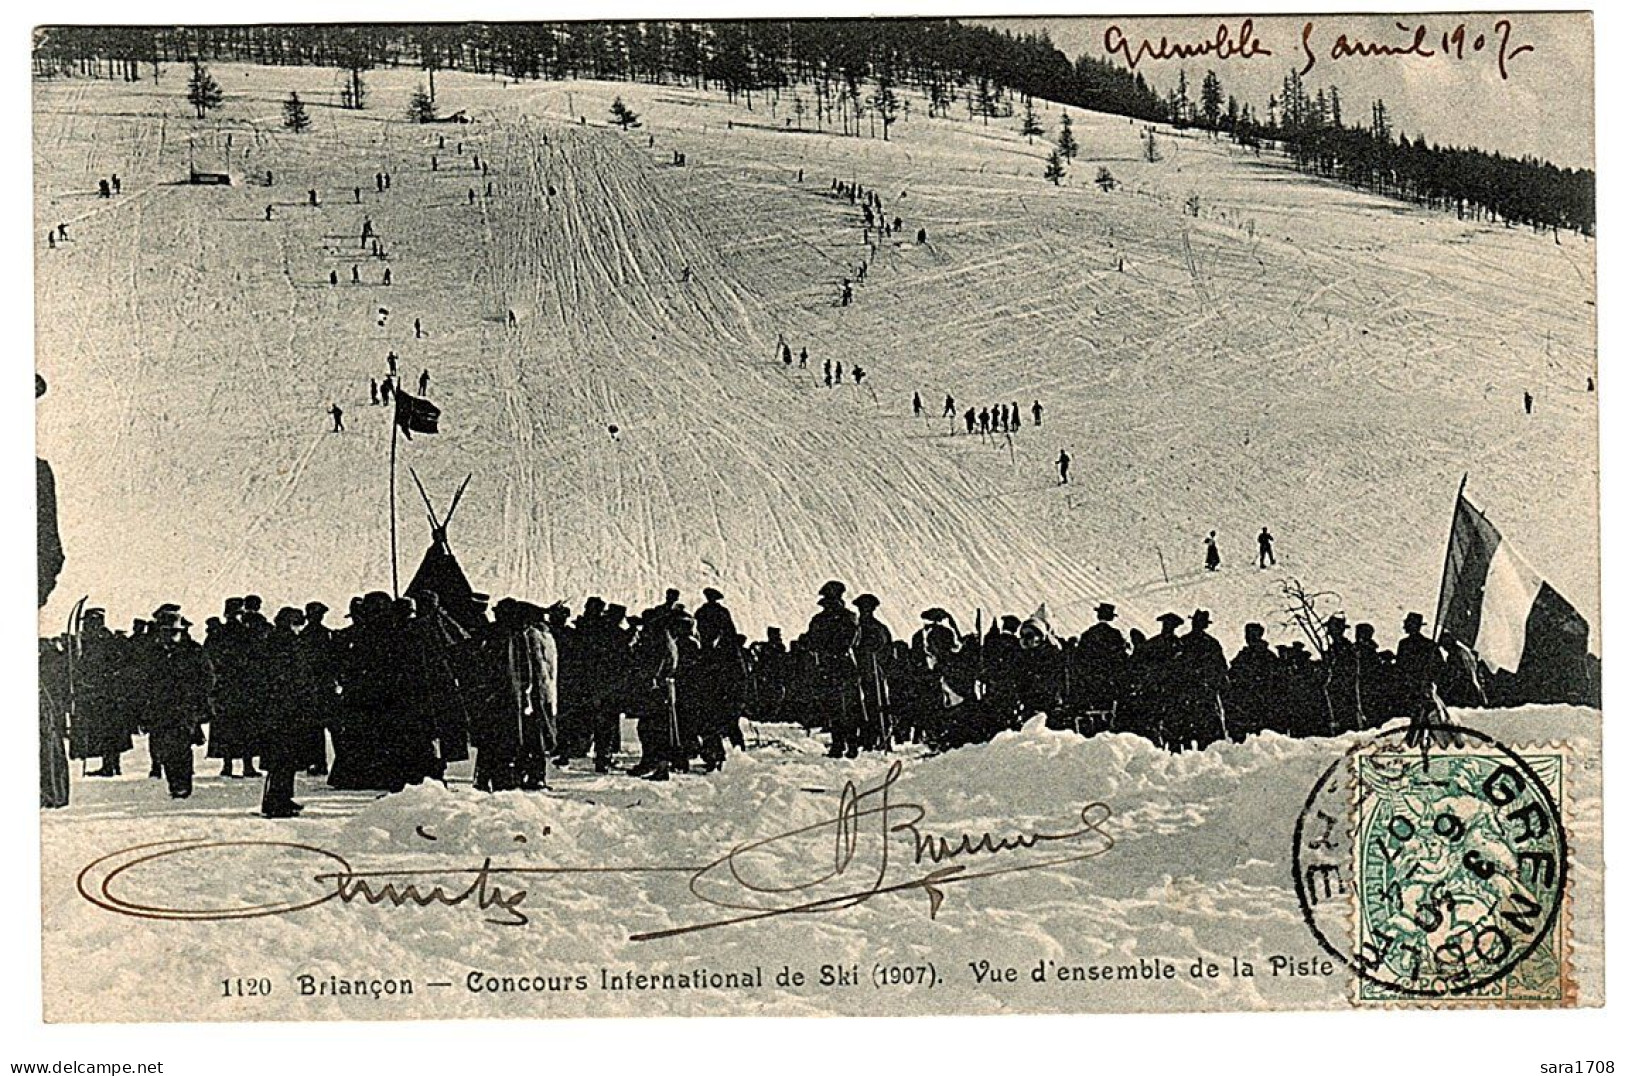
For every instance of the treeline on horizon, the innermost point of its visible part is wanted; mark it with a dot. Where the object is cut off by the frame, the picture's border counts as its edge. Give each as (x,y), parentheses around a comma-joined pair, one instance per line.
(854,67)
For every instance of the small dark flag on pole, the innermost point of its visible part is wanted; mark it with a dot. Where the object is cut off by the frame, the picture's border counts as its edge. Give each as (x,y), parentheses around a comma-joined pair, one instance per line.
(414,414)
(1495,603)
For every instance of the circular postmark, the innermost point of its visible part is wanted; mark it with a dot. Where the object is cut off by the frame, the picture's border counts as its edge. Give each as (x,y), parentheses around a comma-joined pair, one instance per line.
(1436,867)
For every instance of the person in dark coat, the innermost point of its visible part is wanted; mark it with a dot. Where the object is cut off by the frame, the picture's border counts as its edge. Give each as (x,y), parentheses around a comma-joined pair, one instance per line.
(934,647)
(231,729)
(1153,691)
(51,556)
(712,620)
(290,710)
(365,737)
(872,651)
(1340,681)
(575,729)
(317,640)
(1253,687)
(1212,543)
(651,699)
(1418,666)
(101,678)
(997,673)
(656,615)
(530,733)
(1373,672)
(433,652)
(176,684)
(830,637)
(1039,669)
(601,651)
(1202,673)
(1100,667)
(770,674)
(697,722)
(53,722)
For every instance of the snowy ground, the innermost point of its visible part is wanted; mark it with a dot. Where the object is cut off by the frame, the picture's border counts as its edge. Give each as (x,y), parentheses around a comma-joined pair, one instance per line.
(1199,868)
(1303,357)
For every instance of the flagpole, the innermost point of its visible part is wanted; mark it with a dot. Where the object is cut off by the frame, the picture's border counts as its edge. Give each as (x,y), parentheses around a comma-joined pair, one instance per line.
(1444,573)
(394,559)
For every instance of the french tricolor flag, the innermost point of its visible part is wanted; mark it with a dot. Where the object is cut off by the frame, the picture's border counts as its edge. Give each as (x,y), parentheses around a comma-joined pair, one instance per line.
(1499,606)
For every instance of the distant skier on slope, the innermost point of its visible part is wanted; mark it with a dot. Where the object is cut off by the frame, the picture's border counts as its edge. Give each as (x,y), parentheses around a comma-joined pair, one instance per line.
(1266,548)
(1038,413)
(948,410)
(919,408)
(1212,543)
(338,417)
(423,382)
(1063,464)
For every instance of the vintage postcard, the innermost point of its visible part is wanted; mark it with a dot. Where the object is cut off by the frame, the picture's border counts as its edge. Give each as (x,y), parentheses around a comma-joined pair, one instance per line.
(793,517)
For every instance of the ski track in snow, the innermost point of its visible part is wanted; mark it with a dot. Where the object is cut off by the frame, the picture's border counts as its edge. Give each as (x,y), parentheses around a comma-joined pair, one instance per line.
(1330,375)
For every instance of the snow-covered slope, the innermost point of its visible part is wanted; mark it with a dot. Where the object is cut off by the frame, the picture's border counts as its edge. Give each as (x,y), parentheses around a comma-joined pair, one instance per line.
(1299,356)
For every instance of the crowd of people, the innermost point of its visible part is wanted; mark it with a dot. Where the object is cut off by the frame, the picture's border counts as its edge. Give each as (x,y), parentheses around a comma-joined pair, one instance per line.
(411,686)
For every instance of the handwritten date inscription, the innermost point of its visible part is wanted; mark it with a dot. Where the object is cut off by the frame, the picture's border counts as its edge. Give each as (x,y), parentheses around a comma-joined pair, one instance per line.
(1461,42)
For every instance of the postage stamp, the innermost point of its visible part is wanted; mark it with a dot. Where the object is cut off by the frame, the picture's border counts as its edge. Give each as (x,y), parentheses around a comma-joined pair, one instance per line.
(1444,880)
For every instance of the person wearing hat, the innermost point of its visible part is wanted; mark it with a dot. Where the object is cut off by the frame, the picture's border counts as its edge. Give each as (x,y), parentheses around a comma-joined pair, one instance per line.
(1040,670)
(1153,694)
(1254,686)
(316,641)
(651,699)
(289,707)
(703,695)
(102,723)
(177,691)
(770,660)
(532,665)
(241,682)
(1099,671)
(656,614)
(432,644)
(574,730)
(713,621)
(873,653)
(53,768)
(1340,678)
(830,637)
(365,728)
(1202,673)
(1374,676)
(600,656)
(1418,667)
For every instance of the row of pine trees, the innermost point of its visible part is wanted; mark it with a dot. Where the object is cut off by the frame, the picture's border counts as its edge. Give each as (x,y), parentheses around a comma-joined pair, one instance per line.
(853,69)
